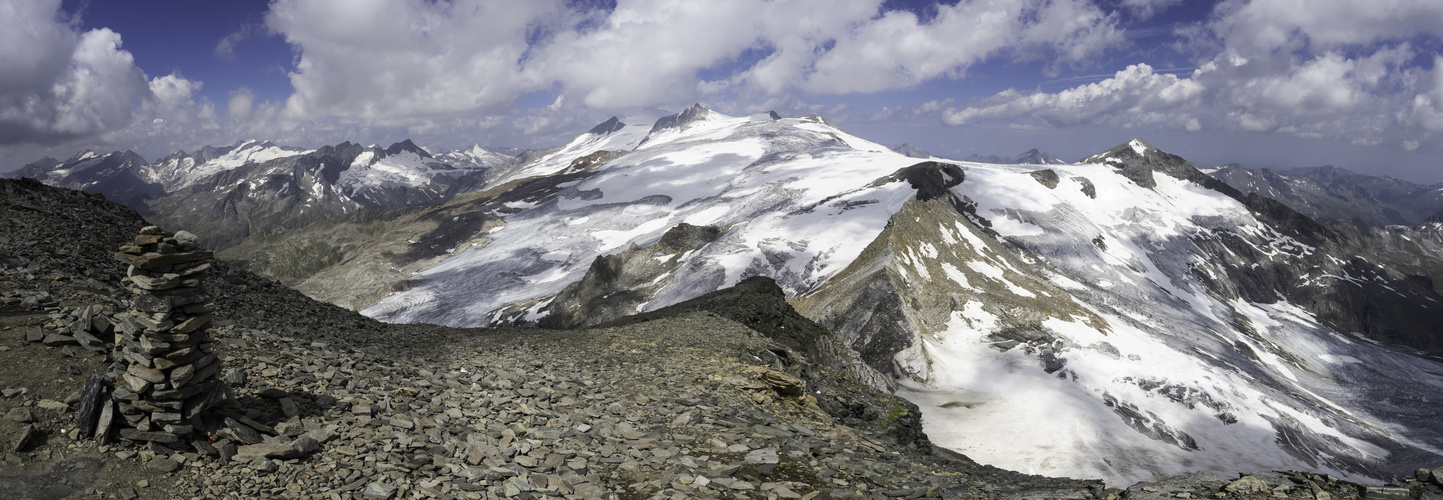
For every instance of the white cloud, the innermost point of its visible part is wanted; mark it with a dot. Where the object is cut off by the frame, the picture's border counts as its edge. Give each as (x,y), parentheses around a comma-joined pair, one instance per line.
(173,90)
(1262,26)
(414,59)
(397,60)
(1146,9)
(59,84)
(1324,70)
(239,103)
(225,48)
(1134,97)
(898,51)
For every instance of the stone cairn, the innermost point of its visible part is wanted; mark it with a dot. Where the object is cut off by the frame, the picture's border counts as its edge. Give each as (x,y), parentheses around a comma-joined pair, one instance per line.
(165,370)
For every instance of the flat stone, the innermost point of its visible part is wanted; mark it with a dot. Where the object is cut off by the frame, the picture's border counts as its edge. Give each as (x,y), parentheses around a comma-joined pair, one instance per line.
(379,491)
(163,282)
(1246,484)
(53,405)
(148,239)
(183,392)
(192,324)
(151,375)
(158,437)
(57,340)
(305,445)
(1386,493)
(163,465)
(152,260)
(762,456)
(106,420)
(291,409)
(181,375)
(91,342)
(251,452)
(34,334)
(151,304)
(132,383)
(21,414)
(28,437)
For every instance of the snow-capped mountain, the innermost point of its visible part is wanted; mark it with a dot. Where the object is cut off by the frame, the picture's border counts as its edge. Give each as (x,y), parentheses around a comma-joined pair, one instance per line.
(1029,157)
(1331,193)
(474,157)
(1125,317)
(289,192)
(230,192)
(181,169)
(910,151)
(115,175)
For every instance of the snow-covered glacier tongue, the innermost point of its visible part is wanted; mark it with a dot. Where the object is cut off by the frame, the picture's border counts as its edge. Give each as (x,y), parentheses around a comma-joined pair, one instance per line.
(1125,317)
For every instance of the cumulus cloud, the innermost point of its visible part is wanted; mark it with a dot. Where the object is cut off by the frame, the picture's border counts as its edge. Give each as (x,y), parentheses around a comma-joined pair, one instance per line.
(1330,70)
(240,102)
(225,48)
(1134,97)
(395,60)
(410,59)
(69,84)
(897,50)
(1146,9)
(1262,26)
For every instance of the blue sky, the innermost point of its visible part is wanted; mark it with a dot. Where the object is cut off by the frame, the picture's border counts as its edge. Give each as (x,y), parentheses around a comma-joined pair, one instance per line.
(1279,83)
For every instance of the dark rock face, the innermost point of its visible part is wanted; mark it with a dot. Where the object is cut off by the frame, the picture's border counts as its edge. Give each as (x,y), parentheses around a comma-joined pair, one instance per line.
(931,179)
(607,127)
(691,115)
(616,285)
(1048,178)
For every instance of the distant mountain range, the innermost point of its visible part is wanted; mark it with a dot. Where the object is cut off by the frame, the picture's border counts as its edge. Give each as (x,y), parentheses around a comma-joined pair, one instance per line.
(1331,193)
(226,194)
(1030,157)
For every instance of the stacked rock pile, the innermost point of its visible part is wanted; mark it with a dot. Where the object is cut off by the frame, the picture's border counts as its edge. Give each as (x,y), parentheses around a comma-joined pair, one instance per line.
(165,368)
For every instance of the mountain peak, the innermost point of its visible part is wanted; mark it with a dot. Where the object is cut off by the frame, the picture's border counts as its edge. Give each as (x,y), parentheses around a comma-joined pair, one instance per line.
(406,145)
(1140,146)
(607,127)
(910,150)
(697,112)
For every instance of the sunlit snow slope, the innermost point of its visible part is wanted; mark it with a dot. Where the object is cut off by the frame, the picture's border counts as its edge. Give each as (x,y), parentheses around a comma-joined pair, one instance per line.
(1126,317)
